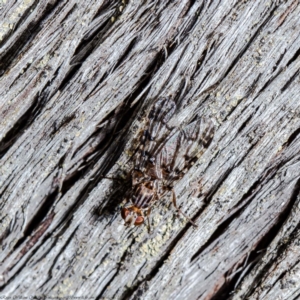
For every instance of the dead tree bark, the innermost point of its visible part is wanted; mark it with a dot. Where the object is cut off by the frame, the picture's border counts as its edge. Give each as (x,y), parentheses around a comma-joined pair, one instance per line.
(76,80)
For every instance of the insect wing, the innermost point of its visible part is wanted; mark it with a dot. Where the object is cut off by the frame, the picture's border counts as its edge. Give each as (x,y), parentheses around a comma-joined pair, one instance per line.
(155,132)
(182,149)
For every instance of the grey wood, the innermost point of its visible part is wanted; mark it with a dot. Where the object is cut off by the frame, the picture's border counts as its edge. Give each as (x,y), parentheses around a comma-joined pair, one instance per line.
(77,80)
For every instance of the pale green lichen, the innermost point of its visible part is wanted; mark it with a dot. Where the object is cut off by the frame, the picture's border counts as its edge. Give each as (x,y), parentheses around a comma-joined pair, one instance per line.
(14,16)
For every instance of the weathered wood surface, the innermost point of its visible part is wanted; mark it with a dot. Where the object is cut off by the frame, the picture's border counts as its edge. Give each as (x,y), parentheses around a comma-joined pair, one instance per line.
(76,80)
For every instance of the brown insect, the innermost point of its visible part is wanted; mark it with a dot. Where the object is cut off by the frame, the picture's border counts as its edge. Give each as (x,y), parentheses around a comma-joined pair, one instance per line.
(163,158)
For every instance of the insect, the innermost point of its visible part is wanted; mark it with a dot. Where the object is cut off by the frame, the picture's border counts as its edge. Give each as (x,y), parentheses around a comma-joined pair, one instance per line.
(164,156)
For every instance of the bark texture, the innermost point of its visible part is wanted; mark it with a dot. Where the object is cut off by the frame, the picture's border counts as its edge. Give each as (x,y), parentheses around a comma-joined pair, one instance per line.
(77,78)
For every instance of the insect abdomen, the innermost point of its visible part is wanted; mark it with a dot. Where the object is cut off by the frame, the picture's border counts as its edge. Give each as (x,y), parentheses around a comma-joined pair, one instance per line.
(143,197)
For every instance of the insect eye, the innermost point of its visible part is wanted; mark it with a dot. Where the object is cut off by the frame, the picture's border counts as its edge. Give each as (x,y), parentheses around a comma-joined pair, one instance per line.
(139,221)
(124,213)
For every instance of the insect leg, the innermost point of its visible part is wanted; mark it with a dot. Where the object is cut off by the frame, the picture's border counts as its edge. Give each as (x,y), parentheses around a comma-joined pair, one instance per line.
(179,210)
(111,178)
(122,178)
(148,220)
